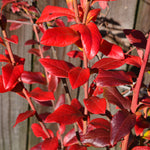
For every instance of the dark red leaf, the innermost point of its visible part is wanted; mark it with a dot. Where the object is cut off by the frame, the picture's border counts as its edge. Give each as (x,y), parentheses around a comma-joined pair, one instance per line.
(100,123)
(52,12)
(75,54)
(99,137)
(52,83)
(78,76)
(60,101)
(108,63)
(11,74)
(41,95)
(13,39)
(75,103)
(38,131)
(52,37)
(112,78)
(136,38)
(95,105)
(34,51)
(31,42)
(58,68)
(77,147)
(114,97)
(33,77)
(141,148)
(50,144)
(111,50)
(15,26)
(23,116)
(65,114)
(3,58)
(121,124)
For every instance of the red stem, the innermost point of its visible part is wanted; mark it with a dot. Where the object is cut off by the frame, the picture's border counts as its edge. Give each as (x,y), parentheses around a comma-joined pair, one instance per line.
(140,77)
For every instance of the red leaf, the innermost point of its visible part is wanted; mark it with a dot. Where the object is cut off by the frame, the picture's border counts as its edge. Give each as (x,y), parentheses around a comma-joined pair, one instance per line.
(108,63)
(141,148)
(37,147)
(75,54)
(5,2)
(98,137)
(52,37)
(112,78)
(23,116)
(34,51)
(38,131)
(100,123)
(75,103)
(33,77)
(52,12)
(95,105)
(11,74)
(58,68)
(2,89)
(60,101)
(65,114)
(77,147)
(133,60)
(41,95)
(52,83)
(111,50)
(114,97)
(92,15)
(51,144)
(78,76)
(15,26)
(13,39)
(121,124)
(136,38)
(3,58)
(31,42)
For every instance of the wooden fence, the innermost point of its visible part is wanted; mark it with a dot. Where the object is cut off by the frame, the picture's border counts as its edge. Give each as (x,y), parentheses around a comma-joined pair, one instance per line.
(123,14)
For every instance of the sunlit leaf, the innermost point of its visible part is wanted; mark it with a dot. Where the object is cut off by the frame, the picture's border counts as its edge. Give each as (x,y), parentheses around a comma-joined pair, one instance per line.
(95,105)
(3,58)
(52,37)
(58,68)
(141,148)
(65,114)
(23,116)
(147,135)
(13,39)
(78,76)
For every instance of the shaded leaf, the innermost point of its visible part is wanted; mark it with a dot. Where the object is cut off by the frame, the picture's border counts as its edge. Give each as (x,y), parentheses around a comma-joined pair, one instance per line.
(38,131)
(11,74)
(65,114)
(33,77)
(31,42)
(114,97)
(111,50)
(52,83)
(52,37)
(77,147)
(52,12)
(95,105)
(75,54)
(3,58)
(58,68)
(136,38)
(34,51)
(23,116)
(78,76)
(50,144)
(121,124)
(60,101)
(41,95)
(37,147)
(112,78)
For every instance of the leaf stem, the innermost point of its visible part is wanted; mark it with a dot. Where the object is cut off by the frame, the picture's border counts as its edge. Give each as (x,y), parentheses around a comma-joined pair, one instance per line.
(136,90)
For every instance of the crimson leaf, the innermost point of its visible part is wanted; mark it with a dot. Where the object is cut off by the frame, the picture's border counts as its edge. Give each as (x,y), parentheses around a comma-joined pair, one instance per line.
(58,68)
(141,148)
(78,76)
(23,116)
(95,105)
(65,114)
